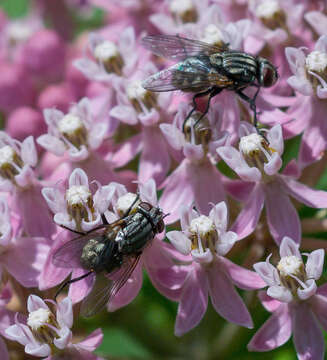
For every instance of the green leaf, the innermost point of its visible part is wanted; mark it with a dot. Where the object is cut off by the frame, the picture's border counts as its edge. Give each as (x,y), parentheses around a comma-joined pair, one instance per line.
(118,342)
(15,8)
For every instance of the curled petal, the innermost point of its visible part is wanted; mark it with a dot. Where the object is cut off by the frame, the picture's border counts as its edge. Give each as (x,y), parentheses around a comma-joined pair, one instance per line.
(52,144)
(226,242)
(274,164)
(78,178)
(65,313)
(309,291)
(280,293)
(267,272)
(219,215)
(65,337)
(34,303)
(202,257)
(315,263)
(275,138)
(181,242)
(289,247)
(28,151)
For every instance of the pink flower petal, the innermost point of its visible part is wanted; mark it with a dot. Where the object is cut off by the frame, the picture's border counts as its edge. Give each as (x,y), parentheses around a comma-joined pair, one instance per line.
(283,219)
(269,303)
(194,301)
(224,298)
(241,277)
(79,289)
(274,332)
(319,307)
(304,194)
(248,218)
(91,342)
(308,340)
(65,313)
(181,242)
(315,263)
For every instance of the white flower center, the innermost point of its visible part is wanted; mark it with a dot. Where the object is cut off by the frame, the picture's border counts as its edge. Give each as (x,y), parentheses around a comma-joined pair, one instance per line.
(69,124)
(212,34)
(18,31)
(106,51)
(251,144)
(290,265)
(202,225)
(267,9)
(78,194)
(181,6)
(316,61)
(38,318)
(135,90)
(125,202)
(7,155)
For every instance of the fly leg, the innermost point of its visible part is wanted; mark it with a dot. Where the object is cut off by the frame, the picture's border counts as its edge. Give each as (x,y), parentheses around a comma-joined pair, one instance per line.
(196,96)
(213,93)
(253,107)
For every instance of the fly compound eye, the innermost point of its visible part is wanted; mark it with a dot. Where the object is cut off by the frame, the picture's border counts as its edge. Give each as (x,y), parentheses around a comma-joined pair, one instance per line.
(268,76)
(145,206)
(161,226)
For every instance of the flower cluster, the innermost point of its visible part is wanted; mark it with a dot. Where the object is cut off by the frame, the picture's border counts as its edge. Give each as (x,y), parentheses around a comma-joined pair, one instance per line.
(103,179)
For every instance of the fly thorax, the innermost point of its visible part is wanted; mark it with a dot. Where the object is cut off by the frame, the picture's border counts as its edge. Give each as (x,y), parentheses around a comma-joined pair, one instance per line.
(80,205)
(11,163)
(198,133)
(43,325)
(292,273)
(316,63)
(183,10)
(73,131)
(256,151)
(124,203)
(271,14)
(203,234)
(109,56)
(213,35)
(140,98)
(91,254)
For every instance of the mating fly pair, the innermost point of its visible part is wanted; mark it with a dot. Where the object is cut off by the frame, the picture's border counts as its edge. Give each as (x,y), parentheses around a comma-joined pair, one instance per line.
(110,252)
(206,69)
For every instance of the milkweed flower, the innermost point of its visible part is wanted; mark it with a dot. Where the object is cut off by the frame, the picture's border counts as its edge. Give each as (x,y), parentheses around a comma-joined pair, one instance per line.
(310,83)
(196,179)
(44,333)
(297,305)
(18,177)
(205,241)
(259,162)
(21,256)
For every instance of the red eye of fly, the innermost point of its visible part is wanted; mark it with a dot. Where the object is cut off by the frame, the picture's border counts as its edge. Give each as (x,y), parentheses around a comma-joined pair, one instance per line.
(269,76)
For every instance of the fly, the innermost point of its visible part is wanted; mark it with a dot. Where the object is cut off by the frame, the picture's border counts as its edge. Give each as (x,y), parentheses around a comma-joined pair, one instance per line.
(110,252)
(206,69)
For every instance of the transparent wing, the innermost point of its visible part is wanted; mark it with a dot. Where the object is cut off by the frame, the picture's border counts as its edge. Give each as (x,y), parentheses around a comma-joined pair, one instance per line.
(179,48)
(69,254)
(106,288)
(195,79)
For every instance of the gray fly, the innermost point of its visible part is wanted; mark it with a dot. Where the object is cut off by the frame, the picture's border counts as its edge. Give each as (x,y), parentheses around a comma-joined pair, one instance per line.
(110,253)
(206,69)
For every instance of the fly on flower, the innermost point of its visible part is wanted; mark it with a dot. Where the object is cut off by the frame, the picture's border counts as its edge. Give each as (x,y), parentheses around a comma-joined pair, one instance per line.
(206,69)
(111,252)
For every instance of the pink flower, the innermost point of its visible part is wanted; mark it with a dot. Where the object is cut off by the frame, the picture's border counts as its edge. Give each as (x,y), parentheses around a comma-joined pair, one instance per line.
(138,105)
(196,179)
(21,256)
(18,177)
(44,333)
(259,162)
(110,59)
(297,305)
(205,240)
(308,111)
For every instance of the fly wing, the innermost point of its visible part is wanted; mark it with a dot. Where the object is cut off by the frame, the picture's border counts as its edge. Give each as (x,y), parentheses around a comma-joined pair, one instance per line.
(105,288)
(69,254)
(179,48)
(198,78)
